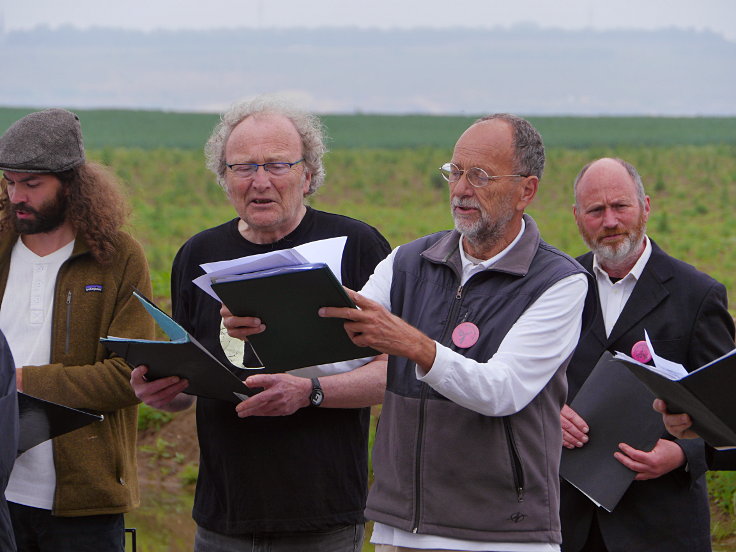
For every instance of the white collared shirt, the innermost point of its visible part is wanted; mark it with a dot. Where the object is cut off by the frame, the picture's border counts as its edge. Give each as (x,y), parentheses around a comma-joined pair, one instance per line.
(613,296)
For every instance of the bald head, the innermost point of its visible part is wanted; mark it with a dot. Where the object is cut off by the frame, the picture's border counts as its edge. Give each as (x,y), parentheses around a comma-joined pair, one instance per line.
(611,168)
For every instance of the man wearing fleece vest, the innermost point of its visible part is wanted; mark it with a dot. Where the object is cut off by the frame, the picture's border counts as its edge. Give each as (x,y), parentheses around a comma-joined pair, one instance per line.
(480,323)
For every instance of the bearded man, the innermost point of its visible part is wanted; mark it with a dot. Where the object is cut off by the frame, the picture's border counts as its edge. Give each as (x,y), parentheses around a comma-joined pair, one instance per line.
(685,314)
(66,276)
(479,324)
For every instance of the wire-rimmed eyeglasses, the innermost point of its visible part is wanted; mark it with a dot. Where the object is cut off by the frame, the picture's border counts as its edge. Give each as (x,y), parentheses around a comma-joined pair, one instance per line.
(249,170)
(475,175)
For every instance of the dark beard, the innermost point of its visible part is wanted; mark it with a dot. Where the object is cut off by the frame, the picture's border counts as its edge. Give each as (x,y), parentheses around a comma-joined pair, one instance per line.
(48,218)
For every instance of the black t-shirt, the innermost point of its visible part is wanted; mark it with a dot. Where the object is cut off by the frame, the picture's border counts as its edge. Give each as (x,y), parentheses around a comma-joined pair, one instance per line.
(303,472)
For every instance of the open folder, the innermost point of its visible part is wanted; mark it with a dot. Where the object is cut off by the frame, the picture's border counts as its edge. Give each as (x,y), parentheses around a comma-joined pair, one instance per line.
(41,420)
(287,300)
(617,409)
(706,394)
(182,356)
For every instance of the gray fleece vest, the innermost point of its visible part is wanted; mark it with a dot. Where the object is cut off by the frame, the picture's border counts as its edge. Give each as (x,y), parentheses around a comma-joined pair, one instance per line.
(445,470)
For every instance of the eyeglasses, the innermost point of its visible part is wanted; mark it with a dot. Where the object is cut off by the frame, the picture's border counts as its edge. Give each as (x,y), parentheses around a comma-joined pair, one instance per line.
(475,175)
(249,170)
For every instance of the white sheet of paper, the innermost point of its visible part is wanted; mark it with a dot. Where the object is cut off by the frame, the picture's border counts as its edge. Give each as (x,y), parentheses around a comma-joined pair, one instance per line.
(672,370)
(662,366)
(327,251)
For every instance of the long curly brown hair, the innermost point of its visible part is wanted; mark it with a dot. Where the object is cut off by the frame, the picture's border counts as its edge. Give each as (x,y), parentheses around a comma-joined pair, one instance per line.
(95,206)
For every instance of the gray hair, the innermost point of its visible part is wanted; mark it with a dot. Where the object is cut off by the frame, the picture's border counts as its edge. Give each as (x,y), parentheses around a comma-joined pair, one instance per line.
(528,145)
(630,169)
(308,126)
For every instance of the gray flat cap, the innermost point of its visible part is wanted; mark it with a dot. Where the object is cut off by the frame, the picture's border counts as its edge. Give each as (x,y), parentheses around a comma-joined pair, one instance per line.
(47,141)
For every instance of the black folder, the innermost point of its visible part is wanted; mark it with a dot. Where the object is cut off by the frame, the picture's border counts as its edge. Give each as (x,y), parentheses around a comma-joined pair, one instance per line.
(41,420)
(183,356)
(287,300)
(618,409)
(706,394)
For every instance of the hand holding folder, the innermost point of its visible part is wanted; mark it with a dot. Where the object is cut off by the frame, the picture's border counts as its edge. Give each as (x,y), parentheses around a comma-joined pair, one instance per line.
(706,394)
(592,468)
(182,356)
(287,300)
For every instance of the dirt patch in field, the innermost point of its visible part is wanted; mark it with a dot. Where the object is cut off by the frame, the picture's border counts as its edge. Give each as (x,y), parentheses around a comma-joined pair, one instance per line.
(168,459)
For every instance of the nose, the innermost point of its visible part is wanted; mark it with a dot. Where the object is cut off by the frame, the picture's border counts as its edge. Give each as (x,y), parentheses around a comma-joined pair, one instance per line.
(462,186)
(261,177)
(16,195)
(610,220)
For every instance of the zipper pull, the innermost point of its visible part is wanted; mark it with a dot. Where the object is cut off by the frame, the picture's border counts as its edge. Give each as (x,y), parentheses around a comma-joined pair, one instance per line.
(68,297)
(459,292)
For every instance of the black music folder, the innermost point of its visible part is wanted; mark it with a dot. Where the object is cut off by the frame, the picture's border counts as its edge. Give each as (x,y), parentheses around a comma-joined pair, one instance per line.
(182,356)
(41,420)
(286,300)
(706,394)
(617,409)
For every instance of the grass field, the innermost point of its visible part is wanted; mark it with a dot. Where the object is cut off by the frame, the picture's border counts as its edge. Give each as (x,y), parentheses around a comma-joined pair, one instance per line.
(401,192)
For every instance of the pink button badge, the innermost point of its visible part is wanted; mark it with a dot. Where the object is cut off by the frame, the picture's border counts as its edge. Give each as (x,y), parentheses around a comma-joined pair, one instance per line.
(640,352)
(465,335)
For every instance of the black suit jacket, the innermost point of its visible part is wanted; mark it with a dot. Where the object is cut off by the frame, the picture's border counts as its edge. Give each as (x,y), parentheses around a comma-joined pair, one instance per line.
(685,314)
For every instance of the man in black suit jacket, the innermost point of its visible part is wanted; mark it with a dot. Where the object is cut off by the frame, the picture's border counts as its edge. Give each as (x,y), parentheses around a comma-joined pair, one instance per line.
(684,311)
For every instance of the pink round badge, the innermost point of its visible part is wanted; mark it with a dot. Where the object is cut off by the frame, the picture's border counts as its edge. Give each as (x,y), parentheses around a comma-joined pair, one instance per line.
(640,352)
(465,335)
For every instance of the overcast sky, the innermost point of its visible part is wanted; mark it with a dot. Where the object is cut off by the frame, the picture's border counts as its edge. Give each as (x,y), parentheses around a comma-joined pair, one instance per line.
(715,15)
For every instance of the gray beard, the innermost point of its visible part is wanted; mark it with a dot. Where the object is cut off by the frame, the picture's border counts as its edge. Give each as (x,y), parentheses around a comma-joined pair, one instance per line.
(484,232)
(614,255)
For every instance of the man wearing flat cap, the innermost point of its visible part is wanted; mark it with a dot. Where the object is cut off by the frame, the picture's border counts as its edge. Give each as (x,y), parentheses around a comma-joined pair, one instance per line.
(66,276)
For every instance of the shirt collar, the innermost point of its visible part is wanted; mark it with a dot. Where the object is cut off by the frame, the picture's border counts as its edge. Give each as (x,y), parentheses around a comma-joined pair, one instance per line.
(497,257)
(636,270)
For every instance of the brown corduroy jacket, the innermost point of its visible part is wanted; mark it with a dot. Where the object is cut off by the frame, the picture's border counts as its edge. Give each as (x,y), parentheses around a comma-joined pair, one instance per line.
(96,470)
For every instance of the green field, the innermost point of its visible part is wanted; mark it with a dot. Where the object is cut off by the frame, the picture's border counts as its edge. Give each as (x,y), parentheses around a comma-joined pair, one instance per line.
(383,169)
(401,192)
(157,129)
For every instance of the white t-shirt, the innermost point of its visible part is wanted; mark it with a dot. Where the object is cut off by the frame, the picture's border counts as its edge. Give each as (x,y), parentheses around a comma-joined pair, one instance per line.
(25,319)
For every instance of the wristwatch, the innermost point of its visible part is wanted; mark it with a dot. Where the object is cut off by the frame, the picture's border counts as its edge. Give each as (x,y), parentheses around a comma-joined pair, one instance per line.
(316,396)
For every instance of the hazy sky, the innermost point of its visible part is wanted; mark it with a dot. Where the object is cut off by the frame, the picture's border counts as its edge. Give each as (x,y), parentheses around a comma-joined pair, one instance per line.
(715,15)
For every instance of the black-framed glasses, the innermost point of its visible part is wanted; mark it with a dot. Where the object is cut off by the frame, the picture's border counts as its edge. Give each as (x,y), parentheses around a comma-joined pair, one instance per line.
(475,175)
(249,170)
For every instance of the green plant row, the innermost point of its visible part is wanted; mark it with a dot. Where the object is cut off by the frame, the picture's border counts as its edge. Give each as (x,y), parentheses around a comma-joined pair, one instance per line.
(160,129)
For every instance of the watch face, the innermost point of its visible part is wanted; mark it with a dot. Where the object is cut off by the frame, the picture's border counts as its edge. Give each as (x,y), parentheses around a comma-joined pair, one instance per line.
(316,397)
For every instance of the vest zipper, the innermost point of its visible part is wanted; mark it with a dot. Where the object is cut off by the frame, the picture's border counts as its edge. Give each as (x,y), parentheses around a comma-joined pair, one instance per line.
(418,456)
(516,467)
(422,413)
(68,321)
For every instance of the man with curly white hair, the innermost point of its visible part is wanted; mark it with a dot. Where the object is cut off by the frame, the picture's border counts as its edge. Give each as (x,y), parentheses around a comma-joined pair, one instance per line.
(286,470)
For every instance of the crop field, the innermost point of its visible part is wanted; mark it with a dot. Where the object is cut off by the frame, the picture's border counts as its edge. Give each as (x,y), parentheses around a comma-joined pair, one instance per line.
(157,129)
(384,170)
(400,191)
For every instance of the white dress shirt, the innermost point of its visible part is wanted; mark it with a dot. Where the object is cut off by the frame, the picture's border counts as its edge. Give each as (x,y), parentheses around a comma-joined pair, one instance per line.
(613,296)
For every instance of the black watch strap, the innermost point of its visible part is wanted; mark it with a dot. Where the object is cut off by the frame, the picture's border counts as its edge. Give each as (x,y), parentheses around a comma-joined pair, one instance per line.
(317,395)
